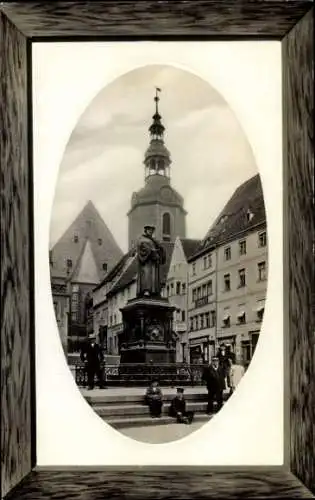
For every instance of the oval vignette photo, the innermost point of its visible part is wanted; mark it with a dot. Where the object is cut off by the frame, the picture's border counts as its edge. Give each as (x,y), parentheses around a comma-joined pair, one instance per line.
(158,253)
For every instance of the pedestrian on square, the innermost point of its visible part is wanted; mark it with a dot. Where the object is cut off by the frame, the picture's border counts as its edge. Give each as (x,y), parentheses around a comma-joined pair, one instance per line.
(92,357)
(178,408)
(214,377)
(154,399)
(237,372)
(225,357)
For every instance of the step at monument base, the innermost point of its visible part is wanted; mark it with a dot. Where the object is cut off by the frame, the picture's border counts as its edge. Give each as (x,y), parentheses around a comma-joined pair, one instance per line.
(148,421)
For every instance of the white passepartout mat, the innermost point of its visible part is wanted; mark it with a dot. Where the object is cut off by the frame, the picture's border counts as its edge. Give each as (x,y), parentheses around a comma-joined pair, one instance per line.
(66,77)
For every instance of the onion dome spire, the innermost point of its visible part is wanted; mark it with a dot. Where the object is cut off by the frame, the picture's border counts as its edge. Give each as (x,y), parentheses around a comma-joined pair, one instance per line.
(157,158)
(157,129)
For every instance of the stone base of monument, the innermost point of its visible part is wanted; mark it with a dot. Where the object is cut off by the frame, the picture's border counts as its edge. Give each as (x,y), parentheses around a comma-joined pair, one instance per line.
(147,336)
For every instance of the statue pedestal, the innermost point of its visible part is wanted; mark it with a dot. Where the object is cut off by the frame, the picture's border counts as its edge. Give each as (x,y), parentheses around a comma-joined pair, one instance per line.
(147,336)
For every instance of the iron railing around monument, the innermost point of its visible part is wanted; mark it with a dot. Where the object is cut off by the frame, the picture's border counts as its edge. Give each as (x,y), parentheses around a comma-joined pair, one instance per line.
(171,374)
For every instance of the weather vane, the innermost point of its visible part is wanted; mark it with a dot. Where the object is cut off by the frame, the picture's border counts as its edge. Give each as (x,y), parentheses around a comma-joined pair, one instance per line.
(156,98)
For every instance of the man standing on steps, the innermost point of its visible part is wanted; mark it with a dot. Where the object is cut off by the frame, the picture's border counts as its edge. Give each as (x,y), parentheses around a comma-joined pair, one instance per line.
(92,357)
(214,377)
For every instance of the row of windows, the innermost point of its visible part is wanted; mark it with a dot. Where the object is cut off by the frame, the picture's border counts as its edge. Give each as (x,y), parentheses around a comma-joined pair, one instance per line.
(202,291)
(261,276)
(241,318)
(242,249)
(125,294)
(179,289)
(201,321)
(76,239)
(70,265)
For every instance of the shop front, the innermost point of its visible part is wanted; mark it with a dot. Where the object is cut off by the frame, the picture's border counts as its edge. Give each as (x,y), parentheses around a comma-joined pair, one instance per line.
(231,345)
(201,350)
(249,347)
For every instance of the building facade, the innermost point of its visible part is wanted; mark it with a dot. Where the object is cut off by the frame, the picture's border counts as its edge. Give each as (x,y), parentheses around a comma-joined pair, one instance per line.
(202,306)
(176,290)
(242,287)
(80,259)
(61,301)
(228,278)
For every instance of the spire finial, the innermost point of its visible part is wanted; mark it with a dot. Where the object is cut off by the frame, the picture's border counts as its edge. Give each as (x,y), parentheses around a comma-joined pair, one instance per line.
(156,98)
(157,129)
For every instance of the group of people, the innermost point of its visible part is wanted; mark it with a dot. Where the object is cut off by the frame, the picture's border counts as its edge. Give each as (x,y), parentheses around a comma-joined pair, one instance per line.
(222,374)
(177,409)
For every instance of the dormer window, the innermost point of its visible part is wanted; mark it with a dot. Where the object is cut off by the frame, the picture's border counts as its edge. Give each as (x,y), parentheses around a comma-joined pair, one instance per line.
(104,266)
(76,238)
(69,263)
(249,215)
(100,241)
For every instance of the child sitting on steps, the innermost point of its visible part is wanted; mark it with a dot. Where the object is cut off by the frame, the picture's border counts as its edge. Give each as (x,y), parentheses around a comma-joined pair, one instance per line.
(178,408)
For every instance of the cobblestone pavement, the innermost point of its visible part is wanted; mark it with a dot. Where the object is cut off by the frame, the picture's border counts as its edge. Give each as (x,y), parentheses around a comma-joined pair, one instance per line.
(156,434)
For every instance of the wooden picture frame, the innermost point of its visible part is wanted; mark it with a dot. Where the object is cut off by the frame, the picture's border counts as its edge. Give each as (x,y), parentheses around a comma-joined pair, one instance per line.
(25,23)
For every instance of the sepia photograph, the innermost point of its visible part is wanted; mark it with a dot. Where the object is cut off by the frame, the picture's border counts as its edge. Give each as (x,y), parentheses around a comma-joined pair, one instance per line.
(158,253)
(157,249)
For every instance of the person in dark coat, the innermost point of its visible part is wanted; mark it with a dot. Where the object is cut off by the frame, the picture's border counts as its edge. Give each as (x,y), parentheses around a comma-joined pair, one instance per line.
(178,408)
(214,377)
(154,399)
(92,357)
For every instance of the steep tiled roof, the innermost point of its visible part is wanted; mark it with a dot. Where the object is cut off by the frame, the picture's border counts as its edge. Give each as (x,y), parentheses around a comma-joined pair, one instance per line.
(130,273)
(190,246)
(244,211)
(114,273)
(88,226)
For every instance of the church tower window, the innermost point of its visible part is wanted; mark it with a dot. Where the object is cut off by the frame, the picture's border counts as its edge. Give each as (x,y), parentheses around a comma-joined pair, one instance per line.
(166,227)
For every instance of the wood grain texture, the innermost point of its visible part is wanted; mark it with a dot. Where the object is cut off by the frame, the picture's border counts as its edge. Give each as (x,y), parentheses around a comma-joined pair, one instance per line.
(298,78)
(15,278)
(151,18)
(160,485)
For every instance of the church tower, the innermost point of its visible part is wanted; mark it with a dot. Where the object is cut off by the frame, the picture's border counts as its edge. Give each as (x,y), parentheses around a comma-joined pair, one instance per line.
(157,203)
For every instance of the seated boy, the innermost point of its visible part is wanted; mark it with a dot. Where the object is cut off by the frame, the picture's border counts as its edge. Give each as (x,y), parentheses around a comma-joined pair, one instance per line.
(154,399)
(178,408)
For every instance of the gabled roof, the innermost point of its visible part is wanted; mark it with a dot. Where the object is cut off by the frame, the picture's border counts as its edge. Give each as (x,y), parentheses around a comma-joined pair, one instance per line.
(87,227)
(190,246)
(244,211)
(115,272)
(130,273)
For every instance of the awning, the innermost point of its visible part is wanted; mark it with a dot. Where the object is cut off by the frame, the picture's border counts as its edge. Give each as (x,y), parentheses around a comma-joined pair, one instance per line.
(260,309)
(198,341)
(226,317)
(241,314)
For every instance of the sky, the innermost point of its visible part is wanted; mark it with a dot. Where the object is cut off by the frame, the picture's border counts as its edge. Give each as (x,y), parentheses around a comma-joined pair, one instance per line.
(103,161)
